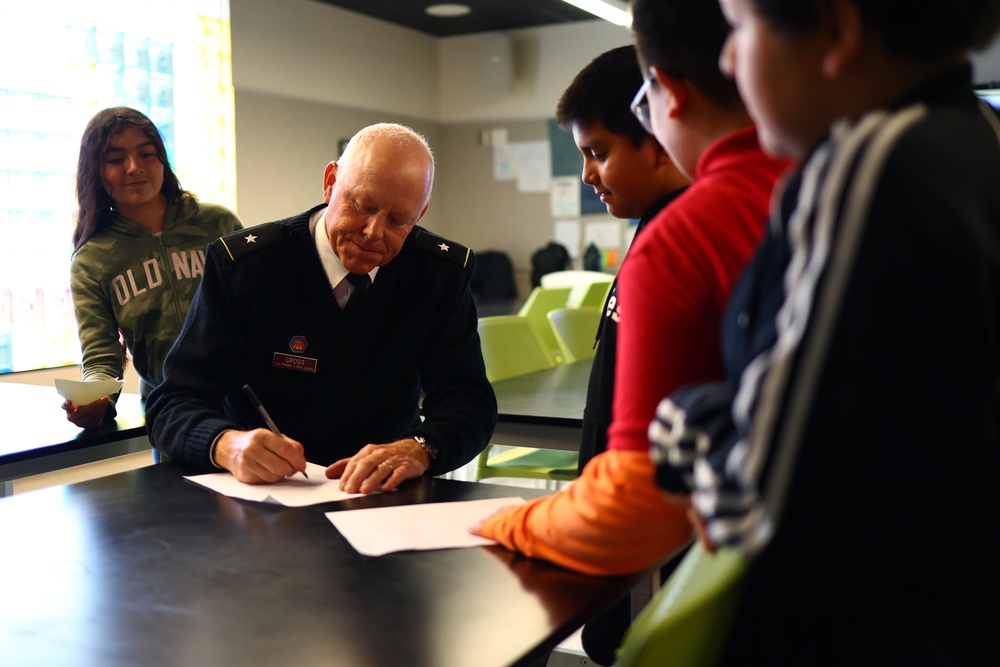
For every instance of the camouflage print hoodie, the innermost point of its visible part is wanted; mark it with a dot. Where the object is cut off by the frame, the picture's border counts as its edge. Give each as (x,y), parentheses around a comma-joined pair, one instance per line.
(125,278)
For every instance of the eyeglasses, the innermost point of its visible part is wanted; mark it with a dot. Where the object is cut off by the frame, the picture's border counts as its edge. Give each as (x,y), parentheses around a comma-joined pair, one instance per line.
(640,105)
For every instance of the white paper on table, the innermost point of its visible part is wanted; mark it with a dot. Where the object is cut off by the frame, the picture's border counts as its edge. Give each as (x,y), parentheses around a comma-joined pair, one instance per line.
(377,531)
(82,393)
(294,491)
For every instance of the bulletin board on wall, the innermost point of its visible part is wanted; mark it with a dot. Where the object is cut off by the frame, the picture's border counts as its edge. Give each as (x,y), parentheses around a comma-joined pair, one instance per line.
(553,166)
(173,64)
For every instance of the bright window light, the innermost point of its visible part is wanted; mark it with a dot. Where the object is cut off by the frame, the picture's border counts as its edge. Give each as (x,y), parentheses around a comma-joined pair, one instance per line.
(605,10)
(173,65)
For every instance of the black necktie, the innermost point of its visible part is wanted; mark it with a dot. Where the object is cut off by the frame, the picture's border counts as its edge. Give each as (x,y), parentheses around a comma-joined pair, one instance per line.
(360,282)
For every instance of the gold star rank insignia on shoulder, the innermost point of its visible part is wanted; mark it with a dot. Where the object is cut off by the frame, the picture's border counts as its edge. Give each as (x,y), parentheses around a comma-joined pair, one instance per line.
(243,243)
(443,248)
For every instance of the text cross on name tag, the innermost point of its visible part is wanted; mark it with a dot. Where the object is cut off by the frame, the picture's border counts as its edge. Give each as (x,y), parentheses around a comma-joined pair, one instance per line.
(295,363)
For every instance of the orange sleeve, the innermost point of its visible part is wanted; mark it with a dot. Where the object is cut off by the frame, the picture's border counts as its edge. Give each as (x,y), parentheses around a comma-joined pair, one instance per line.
(612,520)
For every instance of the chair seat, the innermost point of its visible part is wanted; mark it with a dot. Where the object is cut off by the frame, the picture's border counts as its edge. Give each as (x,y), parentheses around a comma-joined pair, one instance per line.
(513,346)
(529,463)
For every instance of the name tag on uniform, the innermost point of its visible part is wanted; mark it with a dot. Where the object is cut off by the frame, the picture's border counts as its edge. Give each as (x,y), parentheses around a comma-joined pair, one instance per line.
(295,363)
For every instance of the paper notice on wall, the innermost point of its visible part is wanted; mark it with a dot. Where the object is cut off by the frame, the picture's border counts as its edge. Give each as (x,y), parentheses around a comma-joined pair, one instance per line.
(533,165)
(567,232)
(565,197)
(605,235)
(504,167)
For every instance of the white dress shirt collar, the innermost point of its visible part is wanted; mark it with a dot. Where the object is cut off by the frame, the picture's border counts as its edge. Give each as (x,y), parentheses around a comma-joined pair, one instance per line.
(334,268)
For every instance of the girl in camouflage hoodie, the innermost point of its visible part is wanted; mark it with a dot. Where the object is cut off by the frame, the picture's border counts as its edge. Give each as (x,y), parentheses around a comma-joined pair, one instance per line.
(139,252)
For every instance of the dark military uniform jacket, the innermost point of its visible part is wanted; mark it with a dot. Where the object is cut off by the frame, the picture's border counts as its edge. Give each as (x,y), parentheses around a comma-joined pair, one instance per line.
(265,315)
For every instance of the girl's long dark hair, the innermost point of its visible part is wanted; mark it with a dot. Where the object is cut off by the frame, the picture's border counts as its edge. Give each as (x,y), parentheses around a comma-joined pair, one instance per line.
(96,205)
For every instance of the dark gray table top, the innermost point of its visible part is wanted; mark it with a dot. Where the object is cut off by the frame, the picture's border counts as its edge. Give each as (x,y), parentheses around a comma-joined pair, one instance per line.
(146,568)
(554,396)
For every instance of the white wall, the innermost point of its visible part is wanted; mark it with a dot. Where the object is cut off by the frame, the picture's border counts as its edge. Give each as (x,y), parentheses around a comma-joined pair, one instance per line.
(309,50)
(545,62)
(312,51)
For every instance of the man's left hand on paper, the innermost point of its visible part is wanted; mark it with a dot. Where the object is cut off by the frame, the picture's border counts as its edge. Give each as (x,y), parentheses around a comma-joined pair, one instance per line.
(380,467)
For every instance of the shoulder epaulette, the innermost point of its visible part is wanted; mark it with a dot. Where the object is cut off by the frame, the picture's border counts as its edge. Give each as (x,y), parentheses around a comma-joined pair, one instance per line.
(443,248)
(244,242)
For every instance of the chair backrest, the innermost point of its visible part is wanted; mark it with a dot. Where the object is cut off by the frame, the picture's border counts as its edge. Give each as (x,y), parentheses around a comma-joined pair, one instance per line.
(576,331)
(596,294)
(536,310)
(512,346)
(580,281)
(686,622)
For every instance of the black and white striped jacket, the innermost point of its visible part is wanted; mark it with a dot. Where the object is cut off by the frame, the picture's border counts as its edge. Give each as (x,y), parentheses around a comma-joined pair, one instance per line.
(855,451)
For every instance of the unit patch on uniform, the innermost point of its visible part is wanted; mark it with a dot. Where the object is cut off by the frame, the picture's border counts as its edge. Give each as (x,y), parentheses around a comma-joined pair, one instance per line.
(294,363)
(298,344)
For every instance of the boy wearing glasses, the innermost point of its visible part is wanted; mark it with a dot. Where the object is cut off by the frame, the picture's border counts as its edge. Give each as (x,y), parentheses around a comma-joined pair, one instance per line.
(671,294)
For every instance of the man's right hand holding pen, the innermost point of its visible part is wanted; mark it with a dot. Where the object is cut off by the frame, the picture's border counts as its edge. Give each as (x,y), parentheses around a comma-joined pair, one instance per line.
(259,456)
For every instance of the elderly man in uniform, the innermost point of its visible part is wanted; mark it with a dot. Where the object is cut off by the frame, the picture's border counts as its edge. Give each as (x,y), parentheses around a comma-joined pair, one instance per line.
(337,318)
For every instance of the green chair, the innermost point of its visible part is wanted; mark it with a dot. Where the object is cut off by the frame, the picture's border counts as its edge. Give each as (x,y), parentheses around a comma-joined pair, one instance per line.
(576,331)
(536,310)
(686,622)
(513,346)
(596,294)
(579,281)
(554,465)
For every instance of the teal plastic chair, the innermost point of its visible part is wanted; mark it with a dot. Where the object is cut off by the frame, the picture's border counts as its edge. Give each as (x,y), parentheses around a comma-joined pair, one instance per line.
(576,331)
(513,346)
(536,310)
(686,622)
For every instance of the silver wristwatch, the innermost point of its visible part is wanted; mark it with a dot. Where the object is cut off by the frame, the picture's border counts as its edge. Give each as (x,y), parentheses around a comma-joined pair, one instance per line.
(431,450)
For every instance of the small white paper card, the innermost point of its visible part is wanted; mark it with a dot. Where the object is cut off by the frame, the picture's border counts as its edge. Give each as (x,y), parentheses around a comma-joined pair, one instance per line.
(377,531)
(82,393)
(294,491)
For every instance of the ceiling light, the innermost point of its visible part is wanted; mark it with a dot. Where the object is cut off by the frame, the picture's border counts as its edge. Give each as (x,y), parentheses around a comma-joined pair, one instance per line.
(447,10)
(608,11)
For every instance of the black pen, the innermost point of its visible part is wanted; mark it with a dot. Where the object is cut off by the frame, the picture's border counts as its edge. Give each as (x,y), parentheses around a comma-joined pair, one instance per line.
(263,413)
